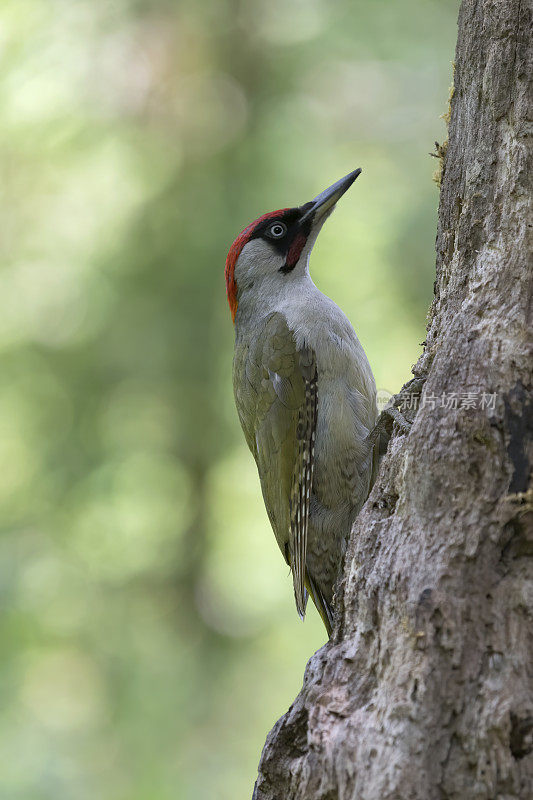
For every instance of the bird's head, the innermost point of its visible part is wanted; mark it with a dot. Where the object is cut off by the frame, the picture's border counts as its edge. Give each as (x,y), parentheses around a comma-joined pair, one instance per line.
(277,245)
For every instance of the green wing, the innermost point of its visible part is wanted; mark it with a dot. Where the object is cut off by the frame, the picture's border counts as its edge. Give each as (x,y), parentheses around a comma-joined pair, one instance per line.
(285,427)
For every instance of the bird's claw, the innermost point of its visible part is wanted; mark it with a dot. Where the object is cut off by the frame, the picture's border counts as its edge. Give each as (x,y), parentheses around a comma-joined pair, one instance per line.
(392,414)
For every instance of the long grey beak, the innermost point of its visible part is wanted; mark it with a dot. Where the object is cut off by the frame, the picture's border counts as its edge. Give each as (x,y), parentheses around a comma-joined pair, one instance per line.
(327,199)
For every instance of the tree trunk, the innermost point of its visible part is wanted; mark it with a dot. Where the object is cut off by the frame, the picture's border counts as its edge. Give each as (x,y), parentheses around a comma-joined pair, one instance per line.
(424,691)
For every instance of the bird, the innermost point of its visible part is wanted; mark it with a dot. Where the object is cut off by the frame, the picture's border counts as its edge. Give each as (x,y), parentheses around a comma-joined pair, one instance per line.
(305,395)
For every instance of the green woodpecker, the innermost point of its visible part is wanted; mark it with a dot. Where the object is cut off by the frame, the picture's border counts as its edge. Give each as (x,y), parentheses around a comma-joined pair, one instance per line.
(305,394)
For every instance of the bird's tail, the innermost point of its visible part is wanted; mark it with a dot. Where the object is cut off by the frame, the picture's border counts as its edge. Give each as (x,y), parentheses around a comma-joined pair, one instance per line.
(322,605)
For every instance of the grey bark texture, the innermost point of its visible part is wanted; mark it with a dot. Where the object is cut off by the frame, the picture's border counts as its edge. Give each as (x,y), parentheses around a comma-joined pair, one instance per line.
(425,690)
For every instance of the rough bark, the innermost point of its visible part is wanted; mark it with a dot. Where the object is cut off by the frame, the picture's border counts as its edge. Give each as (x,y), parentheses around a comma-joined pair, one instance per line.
(425,688)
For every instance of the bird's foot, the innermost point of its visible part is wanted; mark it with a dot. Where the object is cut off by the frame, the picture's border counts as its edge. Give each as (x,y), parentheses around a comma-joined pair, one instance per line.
(397,417)
(394,414)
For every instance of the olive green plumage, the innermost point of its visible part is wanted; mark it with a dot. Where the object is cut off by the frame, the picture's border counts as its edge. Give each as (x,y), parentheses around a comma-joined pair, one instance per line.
(305,396)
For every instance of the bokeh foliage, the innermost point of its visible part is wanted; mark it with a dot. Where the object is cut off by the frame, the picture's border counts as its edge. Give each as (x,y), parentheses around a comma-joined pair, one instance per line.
(149,638)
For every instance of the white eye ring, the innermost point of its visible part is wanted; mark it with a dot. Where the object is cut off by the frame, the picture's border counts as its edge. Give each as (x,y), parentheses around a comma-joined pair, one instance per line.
(277,230)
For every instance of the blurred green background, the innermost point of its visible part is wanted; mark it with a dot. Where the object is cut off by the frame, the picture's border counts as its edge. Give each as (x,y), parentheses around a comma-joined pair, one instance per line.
(148,631)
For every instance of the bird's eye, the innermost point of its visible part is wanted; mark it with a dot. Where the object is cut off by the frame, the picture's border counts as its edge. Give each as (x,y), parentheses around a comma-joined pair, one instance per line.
(277,230)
